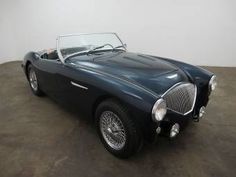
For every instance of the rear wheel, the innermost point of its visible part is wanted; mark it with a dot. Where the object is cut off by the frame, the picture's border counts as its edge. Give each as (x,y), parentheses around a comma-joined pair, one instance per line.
(33,81)
(116,130)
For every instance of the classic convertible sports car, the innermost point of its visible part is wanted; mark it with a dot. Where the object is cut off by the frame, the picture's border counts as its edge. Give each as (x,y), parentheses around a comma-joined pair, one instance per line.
(131,97)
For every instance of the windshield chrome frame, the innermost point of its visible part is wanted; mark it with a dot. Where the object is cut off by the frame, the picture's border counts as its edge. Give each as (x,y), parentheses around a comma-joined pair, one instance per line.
(86,51)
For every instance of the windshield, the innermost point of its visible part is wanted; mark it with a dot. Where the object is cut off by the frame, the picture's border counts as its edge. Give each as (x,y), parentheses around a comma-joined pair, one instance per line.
(71,45)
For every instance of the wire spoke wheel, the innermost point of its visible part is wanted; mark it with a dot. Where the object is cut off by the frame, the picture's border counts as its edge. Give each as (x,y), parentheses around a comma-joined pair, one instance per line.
(112,130)
(33,80)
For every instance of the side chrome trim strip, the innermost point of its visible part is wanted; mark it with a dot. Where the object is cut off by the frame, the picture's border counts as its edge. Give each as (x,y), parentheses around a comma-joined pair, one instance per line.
(77,85)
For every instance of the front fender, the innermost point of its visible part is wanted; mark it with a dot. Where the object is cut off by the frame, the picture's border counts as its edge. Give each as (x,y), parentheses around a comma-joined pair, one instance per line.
(194,72)
(128,92)
(29,57)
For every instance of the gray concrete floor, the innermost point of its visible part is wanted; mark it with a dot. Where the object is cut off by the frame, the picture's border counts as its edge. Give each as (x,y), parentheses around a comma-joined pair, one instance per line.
(40,138)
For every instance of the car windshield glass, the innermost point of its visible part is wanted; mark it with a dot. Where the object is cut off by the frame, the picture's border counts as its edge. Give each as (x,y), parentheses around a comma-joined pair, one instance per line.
(71,45)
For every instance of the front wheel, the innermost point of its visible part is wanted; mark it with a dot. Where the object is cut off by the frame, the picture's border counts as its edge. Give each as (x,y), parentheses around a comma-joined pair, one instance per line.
(116,130)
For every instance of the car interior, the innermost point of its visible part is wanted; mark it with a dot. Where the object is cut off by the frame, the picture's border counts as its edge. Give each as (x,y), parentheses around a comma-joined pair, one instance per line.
(52,54)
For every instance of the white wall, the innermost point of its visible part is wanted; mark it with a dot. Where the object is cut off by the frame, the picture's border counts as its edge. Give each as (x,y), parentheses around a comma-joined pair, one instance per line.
(196,31)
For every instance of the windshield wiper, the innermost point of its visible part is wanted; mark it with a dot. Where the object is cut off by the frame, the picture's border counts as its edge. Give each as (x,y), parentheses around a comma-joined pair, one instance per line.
(92,50)
(118,47)
(75,54)
(99,47)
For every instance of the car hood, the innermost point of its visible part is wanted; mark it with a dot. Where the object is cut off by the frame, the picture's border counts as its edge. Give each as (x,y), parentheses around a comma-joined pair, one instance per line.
(153,73)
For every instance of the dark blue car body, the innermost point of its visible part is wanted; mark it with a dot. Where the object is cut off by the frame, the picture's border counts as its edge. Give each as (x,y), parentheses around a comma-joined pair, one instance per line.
(136,80)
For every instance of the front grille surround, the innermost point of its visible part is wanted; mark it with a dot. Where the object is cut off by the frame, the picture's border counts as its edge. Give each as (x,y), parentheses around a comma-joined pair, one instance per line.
(181,97)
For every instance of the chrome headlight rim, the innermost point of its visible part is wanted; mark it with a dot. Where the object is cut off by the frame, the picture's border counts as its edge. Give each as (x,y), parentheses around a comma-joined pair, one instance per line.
(212,83)
(160,105)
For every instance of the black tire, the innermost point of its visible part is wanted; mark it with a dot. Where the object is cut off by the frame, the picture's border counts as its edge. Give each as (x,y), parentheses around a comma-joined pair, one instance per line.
(134,140)
(36,91)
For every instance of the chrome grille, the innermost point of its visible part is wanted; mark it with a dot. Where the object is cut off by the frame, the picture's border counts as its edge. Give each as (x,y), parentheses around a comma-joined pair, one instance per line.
(181,98)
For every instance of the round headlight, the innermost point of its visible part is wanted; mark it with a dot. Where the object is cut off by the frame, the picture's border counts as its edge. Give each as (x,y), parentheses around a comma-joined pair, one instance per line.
(212,83)
(159,110)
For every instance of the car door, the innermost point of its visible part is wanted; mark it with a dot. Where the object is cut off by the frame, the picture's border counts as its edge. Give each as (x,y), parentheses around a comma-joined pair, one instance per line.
(47,73)
(64,83)
(73,88)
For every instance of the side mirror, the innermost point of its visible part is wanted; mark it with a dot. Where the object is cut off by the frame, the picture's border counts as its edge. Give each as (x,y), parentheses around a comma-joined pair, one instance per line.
(125,45)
